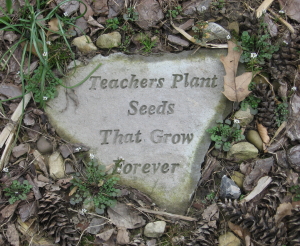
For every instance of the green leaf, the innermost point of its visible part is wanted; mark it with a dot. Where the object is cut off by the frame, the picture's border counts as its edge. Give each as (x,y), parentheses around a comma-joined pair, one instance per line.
(9,6)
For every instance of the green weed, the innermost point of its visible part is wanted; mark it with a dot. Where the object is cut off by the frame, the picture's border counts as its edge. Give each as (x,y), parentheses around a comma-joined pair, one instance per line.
(174,12)
(282,113)
(113,23)
(252,102)
(225,133)
(219,4)
(17,191)
(131,15)
(95,186)
(148,44)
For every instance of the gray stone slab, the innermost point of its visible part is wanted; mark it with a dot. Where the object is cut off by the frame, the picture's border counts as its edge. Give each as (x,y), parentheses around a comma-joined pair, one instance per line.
(153,111)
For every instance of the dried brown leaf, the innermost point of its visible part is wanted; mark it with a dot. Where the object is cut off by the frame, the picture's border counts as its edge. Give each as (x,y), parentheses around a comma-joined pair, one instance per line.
(235,88)
(261,185)
(122,216)
(211,212)
(27,210)
(89,10)
(105,235)
(291,8)
(123,236)
(9,209)
(93,22)
(263,133)
(53,26)
(12,235)
(283,210)
(242,233)
(73,190)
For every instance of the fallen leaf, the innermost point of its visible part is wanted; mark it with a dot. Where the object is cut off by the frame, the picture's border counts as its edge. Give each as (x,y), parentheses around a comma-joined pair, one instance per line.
(85,6)
(9,209)
(242,233)
(293,129)
(235,88)
(211,212)
(20,150)
(96,225)
(105,235)
(283,210)
(263,133)
(123,236)
(291,8)
(12,235)
(10,90)
(10,36)
(27,210)
(28,120)
(40,161)
(93,22)
(122,216)
(261,185)
(69,7)
(53,26)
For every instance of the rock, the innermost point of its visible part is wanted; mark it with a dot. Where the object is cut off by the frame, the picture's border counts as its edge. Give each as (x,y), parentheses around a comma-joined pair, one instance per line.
(149,12)
(242,151)
(69,7)
(234,26)
(229,239)
(10,90)
(84,44)
(238,178)
(155,229)
(56,166)
(44,146)
(214,31)
(192,7)
(260,168)
(185,26)
(281,159)
(100,7)
(115,7)
(254,138)
(75,64)
(176,40)
(20,150)
(109,40)
(112,103)
(229,189)
(245,117)
(293,156)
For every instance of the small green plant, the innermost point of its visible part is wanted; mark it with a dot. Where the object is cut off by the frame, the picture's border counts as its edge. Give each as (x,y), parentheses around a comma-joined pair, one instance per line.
(282,113)
(131,15)
(17,191)
(124,46)
(219,4)
(211,196)
(96,186)
(148,44)
(295,189)
(113,23)
(257,48)
(225,133)
(252,102)
(174,12)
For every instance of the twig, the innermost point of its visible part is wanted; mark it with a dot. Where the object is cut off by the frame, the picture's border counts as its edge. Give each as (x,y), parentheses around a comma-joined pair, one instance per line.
(182,217)
(284,22)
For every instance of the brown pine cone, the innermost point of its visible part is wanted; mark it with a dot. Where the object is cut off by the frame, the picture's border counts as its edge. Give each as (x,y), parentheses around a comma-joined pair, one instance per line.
(294,227)
(54,220)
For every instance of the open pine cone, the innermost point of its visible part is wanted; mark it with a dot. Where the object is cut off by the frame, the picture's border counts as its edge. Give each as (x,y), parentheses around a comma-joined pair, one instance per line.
(54,220)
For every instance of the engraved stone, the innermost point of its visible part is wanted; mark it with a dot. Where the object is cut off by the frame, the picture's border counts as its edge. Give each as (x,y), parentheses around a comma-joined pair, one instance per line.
(153,111)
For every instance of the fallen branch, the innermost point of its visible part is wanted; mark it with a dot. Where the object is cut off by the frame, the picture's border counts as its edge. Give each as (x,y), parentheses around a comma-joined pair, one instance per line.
(263,8)
(284,22)
(193,40)
(177,216)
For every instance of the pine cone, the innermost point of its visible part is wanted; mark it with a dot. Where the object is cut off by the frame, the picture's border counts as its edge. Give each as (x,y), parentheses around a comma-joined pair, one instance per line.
(284,63)
(206,234)
(54,220)
(258,221)
(294,227)
(266,108)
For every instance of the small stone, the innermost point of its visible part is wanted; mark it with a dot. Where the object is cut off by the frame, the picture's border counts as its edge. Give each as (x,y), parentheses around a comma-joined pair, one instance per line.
(176,40)
(84,44)
(20,150)
(56,166)
(74,64)
(229,239)
(242,151)
(293,155)
(44,146)
(214,31)
(185,26)
(254,138)
(238,178)
(234,26)
(109,40)
(245,117)
(229,189)
(155,229)
(191,7)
